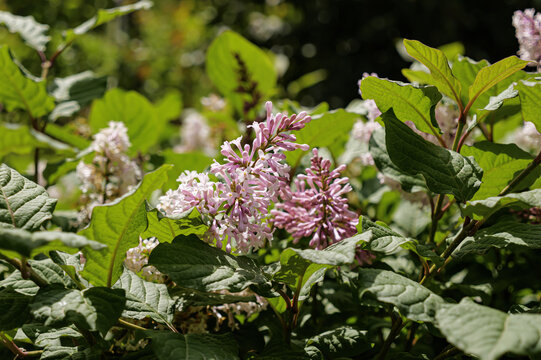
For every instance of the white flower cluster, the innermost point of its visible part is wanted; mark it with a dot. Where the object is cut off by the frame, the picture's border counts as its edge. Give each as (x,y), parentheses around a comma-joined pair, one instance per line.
(213,102)
(195,134)
(137,260)
(528,138)
(112,173)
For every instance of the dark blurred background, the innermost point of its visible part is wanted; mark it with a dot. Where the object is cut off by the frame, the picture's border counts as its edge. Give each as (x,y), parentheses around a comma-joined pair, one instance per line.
(152,51)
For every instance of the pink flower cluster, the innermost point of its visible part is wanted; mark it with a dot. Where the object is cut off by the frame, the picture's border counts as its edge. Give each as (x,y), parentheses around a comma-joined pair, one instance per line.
(252,176)
(528,32)
(317,208)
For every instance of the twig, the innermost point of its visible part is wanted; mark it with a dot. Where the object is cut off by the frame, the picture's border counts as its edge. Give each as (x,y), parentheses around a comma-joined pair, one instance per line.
(397,325)
(448,353)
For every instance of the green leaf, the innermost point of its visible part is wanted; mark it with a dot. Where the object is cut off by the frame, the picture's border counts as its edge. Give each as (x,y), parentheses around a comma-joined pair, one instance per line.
(22,286)
(14,307)
(491,75)
(32,32)
(500,164)
(192,161)
(479,209)
(27,243)
(339,253)
(412,218)
(384,239)
(19,91)
(22,140)
(68,136)
(118,225)
(496,102)
(191,263)
(378,149)
(45,336)
(75,91)
(95,309)
(489,333)
(222,67)
(409,102)
(166,229)
(55,352)
(344,341)
(445,171)
(418,76)
(322,131)
(465,70)
(437,63)
(171,346)
(145,124)
(529,93)
(191,297)
(23,203)
(502,235)
(170,106)
(414,301)
(103,16)
(145,299)
(71,264)
(309,266)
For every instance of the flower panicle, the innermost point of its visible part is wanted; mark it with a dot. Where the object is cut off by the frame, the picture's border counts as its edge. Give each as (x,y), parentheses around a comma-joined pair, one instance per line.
(252,176)
(317,208)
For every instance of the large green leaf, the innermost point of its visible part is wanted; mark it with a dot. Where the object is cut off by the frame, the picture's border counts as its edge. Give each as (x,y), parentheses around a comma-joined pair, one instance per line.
(20,92)
(491,75)
(436,61)
(530,101)
(103,16)
(222,67)
(323,131)
(95,309)
(27,243)
(344,341)
(502,235)
(484,208)
(500,164)
(118,225)
(378,149)
(166,229)
(191,263)
(140,116)
(410,103)
(445,171)
(23,203)
(145,299)
(171,346)
(413,300)
(465,70)
(489,333)
(32,32)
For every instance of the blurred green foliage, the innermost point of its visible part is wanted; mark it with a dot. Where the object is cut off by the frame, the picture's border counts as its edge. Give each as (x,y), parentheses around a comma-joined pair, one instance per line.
(154,51)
